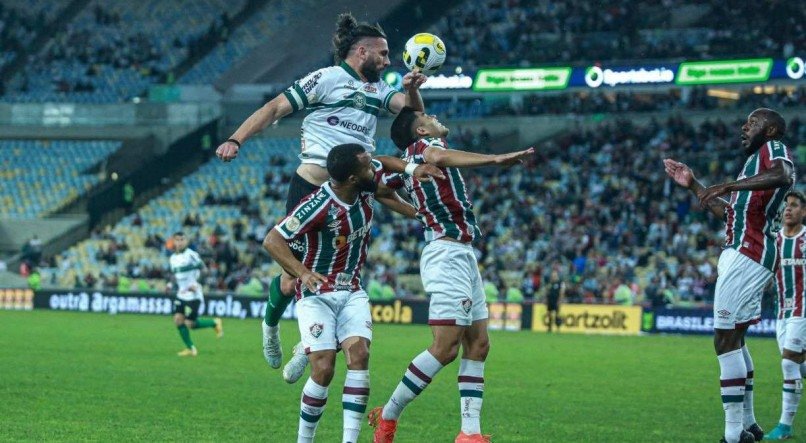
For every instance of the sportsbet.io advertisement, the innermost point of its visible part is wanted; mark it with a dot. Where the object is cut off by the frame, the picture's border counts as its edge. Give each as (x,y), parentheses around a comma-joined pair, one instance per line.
(575,318)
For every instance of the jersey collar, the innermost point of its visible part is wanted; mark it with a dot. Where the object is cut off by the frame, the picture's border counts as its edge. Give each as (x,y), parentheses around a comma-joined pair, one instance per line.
(329,190)
(351,71)
(802,228)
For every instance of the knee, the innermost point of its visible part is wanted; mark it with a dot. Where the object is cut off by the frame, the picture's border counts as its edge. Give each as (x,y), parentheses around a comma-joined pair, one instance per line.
(479,349)
(179,321)
(445,353)
(322,372)
(726,341)
(358,356)
(191,324)
(287,285)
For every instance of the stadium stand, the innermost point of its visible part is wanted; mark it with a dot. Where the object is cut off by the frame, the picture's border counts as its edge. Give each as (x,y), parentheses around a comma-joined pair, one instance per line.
(21,22)
(41,176)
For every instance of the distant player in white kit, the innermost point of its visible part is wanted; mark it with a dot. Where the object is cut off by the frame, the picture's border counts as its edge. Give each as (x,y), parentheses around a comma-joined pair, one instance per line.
(790,284)
(186,266)
(343,103)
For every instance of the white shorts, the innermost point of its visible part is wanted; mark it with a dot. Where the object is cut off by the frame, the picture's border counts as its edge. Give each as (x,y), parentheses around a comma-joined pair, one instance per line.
(451,278)
(791,334)
(328,319)
(739,286)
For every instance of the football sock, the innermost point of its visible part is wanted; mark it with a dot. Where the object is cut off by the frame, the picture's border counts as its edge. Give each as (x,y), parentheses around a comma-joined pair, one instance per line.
(354,400)
(204,323)
(732,377)
(471,389)
(184,332)
(417,377)
(275,307)
(749,417)
(793,387)
(312,405)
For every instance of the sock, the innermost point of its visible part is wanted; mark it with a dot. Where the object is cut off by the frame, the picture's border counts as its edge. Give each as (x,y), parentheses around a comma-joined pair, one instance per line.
(732,377)
(184,332)
(471,388)
(793,387)
(312,405)
(204,323)
(417,377)
(749,417)
(275,307)
(354,400)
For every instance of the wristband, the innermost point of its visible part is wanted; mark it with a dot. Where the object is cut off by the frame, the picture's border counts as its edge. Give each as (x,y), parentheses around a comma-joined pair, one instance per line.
(410,168)
(237,143)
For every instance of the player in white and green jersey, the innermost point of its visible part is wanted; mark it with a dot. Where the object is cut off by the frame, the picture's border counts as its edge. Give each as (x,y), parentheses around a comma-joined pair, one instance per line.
(186,266)
(343,104)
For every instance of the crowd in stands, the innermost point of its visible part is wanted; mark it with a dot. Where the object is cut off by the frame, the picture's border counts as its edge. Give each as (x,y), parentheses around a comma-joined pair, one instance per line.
(528,32)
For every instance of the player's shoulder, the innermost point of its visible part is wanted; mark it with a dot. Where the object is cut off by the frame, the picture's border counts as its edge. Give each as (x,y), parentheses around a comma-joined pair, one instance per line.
(775,149)
(434,142)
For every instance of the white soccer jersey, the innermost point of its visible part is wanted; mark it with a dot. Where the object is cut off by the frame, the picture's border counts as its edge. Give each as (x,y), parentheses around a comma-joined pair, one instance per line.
(343,109)
(186,267)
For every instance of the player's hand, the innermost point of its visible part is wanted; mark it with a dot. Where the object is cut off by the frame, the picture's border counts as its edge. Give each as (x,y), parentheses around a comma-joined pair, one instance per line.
(712,192)
(227,151)
(514,158)
(414,79)
(312,280)
(425,172)
(679,172)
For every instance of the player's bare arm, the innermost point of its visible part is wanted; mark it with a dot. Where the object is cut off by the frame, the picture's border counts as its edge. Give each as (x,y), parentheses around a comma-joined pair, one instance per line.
(412,98)
(275,109)
(463,159)
(684,176)
(778,176)
(389,198)
(422,172)
(277,247)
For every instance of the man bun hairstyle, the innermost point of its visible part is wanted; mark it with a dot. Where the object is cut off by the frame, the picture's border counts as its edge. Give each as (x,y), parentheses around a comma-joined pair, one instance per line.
(402,131)
(342,162)
(349,31)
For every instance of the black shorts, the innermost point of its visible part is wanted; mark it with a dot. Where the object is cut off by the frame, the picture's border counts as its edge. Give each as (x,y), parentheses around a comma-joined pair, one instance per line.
(298,189)
(553,305)
(190,309)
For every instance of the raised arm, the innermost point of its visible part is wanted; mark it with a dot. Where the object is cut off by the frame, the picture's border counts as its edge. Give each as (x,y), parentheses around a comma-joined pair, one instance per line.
(462,159)
(683,176)
(422,172)
(269,113)
(411,98)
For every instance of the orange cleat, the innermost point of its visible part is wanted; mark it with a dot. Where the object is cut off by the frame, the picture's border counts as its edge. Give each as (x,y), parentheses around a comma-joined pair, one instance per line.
(472,438)
(384,429)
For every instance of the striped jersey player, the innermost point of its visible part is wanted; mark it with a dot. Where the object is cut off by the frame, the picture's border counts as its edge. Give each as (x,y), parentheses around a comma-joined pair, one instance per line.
(449,270)
(790,285)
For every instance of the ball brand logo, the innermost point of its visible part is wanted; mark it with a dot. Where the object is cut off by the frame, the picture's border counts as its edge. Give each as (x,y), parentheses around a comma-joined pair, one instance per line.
(316,329)
(440,48)
(333,120)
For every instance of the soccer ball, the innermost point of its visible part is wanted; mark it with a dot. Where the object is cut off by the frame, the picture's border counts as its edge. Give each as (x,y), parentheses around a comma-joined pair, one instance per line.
(424,51)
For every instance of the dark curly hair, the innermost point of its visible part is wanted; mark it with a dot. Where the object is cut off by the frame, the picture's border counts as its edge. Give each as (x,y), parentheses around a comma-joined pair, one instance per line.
(349,31)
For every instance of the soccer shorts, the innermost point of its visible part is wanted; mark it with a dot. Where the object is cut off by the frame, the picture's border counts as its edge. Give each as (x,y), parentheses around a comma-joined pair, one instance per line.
(188,308)
(791,334)
(739,286)
(327,319)
(298,189)
(451,278)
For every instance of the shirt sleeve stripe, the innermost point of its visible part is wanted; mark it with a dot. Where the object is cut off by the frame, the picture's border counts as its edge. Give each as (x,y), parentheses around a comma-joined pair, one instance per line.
(291,100)
(301,94)
(388,100)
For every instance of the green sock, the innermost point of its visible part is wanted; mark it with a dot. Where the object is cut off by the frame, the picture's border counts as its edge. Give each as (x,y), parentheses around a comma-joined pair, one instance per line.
(185,334)
(276,304)
(202,323)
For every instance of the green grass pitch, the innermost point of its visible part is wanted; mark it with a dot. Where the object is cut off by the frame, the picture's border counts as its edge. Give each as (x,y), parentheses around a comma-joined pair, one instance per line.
(69,376)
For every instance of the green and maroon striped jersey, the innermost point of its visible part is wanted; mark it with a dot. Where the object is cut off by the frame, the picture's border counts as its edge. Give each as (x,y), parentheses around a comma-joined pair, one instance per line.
(442,204)
(789,277)
(754,217)
(334,234)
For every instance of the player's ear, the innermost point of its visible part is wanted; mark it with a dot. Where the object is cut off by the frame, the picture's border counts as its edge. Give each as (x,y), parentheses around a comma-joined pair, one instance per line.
(421,131)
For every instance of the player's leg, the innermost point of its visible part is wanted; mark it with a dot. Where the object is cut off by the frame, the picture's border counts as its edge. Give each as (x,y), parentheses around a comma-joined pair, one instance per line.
(475,346)
(317,326)
(790,334)
(181,327)
(549,316)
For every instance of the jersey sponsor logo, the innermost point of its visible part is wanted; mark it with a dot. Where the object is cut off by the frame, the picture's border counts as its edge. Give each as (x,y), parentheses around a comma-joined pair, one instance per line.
(310,84)
(342,241)
(316,329)
(333,120)
(371,89)
(344,280)
(297,246)
(793,262)
(803,248)
(311,205)
(359,100)
(292,224)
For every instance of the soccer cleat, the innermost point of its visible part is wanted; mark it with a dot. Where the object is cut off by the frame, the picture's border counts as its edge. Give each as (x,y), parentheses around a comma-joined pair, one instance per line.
(293,370)
(744,437)
(384,429)
(780,432)
(219,327)
(271,346)
(472,438)
(188,352)
(755,429)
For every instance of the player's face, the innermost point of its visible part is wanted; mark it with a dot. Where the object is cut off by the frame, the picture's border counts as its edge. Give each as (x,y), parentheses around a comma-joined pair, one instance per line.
(180,243)
(754,132)
(429,126)
(794,211)
(375,58)
(364,180)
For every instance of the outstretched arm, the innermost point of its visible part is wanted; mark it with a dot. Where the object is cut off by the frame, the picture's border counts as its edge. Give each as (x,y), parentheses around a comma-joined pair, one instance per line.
(277,247)
(462,159)
(389,198)
(684,176)
(412,98)
(269,113)
(422,172)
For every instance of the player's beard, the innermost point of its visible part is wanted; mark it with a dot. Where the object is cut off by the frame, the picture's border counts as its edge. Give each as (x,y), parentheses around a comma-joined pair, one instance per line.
(367,186)
(369,71)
